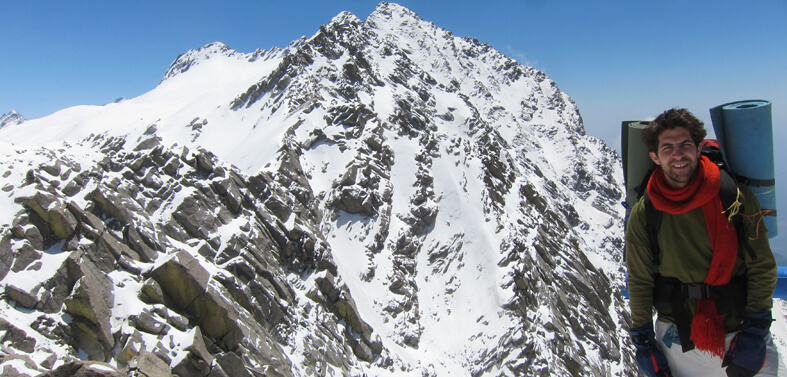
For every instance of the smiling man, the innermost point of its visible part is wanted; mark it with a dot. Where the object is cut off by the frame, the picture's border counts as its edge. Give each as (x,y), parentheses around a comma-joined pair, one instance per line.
(677,155)
(710,282)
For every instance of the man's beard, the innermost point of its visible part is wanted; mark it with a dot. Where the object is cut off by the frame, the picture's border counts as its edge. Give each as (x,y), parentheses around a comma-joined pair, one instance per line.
(680,178)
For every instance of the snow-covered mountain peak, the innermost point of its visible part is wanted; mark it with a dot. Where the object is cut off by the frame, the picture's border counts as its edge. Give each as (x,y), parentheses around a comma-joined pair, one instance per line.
(383,198)
(344,18)
(193,57)
(396,13)
(11,118)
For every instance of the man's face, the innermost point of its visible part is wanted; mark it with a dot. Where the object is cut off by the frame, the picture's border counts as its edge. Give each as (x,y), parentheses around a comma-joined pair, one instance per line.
(677,155)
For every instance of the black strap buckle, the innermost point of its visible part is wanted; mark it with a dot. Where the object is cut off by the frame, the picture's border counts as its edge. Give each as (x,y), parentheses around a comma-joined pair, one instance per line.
(696,291)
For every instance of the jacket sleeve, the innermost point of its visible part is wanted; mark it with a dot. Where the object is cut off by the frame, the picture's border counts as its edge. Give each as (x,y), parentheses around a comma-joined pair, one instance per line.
(760,271)
(639,262)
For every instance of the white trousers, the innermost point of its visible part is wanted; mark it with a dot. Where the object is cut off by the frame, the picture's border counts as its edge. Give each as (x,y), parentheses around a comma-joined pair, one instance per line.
(698,363)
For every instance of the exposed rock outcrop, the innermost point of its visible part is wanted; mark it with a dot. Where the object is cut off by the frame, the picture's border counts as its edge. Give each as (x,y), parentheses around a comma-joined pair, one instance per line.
(243,310)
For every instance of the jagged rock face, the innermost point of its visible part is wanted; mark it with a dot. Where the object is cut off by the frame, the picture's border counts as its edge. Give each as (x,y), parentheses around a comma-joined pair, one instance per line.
(218,265)
(383,197)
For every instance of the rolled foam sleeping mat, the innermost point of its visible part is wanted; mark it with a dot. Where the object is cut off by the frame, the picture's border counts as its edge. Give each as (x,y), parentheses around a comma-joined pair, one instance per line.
(745,133)
(781,283)
(636,160)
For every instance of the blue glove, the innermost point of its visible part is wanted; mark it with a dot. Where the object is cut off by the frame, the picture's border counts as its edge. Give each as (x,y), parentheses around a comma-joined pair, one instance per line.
(747,350)
(650,360)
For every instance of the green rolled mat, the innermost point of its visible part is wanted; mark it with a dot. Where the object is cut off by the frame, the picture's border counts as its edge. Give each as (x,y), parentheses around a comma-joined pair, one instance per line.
(636,160)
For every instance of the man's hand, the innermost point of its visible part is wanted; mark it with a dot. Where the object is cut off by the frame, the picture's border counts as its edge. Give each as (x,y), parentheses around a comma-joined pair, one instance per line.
(746,355)
(650,360)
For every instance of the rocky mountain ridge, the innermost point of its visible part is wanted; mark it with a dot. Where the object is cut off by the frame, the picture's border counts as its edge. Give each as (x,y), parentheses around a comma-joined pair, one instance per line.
(383,198)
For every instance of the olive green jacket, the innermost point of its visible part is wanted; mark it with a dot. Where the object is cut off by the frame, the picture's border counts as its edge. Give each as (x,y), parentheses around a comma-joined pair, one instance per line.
(686,255)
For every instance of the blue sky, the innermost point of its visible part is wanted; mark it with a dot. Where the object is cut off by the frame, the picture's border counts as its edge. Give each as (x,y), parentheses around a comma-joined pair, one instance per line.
(619,59)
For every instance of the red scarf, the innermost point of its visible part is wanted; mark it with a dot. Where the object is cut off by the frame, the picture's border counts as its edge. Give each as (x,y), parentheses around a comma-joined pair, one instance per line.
(707,328)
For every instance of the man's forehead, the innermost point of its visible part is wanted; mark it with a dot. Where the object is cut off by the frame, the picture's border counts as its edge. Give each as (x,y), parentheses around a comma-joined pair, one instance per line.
(678,134)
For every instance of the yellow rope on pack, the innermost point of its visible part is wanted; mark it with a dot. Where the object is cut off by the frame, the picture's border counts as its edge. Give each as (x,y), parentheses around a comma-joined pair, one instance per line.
(771,191)
(735,207)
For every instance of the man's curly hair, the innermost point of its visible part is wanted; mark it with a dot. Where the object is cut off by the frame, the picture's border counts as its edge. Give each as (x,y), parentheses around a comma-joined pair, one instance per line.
(669,120)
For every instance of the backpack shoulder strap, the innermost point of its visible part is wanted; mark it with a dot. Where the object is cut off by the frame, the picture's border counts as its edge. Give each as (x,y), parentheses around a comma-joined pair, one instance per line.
(729,195)
(652,226)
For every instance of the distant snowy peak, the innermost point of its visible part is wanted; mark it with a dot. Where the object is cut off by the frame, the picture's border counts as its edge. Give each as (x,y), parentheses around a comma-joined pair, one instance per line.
(194,57)
(404,19)
(11,118)
(396,13)
(186,61)
(345,18)
(401,23)
(216,49)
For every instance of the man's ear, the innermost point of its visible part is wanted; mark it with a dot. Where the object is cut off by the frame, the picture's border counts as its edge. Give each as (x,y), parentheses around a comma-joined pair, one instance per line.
(654,157)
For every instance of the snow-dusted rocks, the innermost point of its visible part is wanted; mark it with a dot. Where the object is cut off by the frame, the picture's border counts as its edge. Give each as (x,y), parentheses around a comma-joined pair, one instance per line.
(383,198)
(133,285)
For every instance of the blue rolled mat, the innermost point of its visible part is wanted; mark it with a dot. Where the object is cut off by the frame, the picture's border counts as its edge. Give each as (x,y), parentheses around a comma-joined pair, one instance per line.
(745,133)
(781,283)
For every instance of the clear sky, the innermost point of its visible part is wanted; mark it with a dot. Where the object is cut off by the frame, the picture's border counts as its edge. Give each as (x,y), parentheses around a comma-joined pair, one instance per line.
(618,59)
